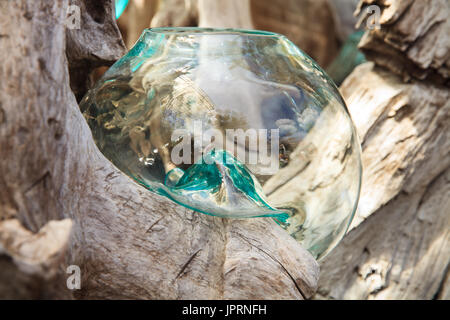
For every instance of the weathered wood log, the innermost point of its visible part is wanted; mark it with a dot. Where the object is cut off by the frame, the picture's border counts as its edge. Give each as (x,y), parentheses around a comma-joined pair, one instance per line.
(55,184)
(414,40)
(30,262)
(97,25)
(399,245)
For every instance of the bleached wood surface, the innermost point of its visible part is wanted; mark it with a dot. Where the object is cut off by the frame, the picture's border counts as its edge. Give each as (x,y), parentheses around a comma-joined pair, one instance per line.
(399,245)
(61,198)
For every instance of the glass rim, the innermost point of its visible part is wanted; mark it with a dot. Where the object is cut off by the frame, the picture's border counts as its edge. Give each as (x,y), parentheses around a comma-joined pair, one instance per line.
(211,31)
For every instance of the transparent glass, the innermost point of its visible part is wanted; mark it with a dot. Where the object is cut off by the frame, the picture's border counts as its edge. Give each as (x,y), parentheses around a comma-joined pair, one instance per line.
(232,123)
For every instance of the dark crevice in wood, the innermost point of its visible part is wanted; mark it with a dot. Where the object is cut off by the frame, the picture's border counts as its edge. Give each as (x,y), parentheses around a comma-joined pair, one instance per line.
(302,294)
(187,263)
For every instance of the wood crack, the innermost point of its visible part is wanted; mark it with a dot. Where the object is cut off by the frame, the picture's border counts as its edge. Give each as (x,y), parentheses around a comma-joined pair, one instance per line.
(303,295)
(153,224)
(38,181)
(187,263)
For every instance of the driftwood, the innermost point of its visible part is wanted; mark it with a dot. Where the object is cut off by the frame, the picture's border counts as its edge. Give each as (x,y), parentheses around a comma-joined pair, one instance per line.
(86,50)
(399,245)
(62,203)
(414,41)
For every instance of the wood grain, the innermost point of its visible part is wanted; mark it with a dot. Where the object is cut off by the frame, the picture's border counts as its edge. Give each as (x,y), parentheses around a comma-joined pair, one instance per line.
(128,242)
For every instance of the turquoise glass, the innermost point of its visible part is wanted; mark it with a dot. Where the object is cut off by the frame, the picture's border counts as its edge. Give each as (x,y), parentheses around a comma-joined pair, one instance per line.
(121,5)
(232,123)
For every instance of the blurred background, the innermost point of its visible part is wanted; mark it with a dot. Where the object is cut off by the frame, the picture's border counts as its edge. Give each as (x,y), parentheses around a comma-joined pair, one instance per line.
(324,29)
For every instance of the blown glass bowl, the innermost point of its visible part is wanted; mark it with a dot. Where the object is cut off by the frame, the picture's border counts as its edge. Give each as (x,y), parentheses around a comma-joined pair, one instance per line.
(232,123)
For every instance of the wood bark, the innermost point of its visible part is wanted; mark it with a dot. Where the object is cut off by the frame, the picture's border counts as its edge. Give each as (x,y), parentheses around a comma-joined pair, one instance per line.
(62,203)
(414,41)
(399,245)
(86,50)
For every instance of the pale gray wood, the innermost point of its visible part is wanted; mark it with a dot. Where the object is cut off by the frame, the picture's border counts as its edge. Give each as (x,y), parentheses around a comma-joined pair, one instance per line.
(399,245)
(128,242)
(86,46)
(417,42)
